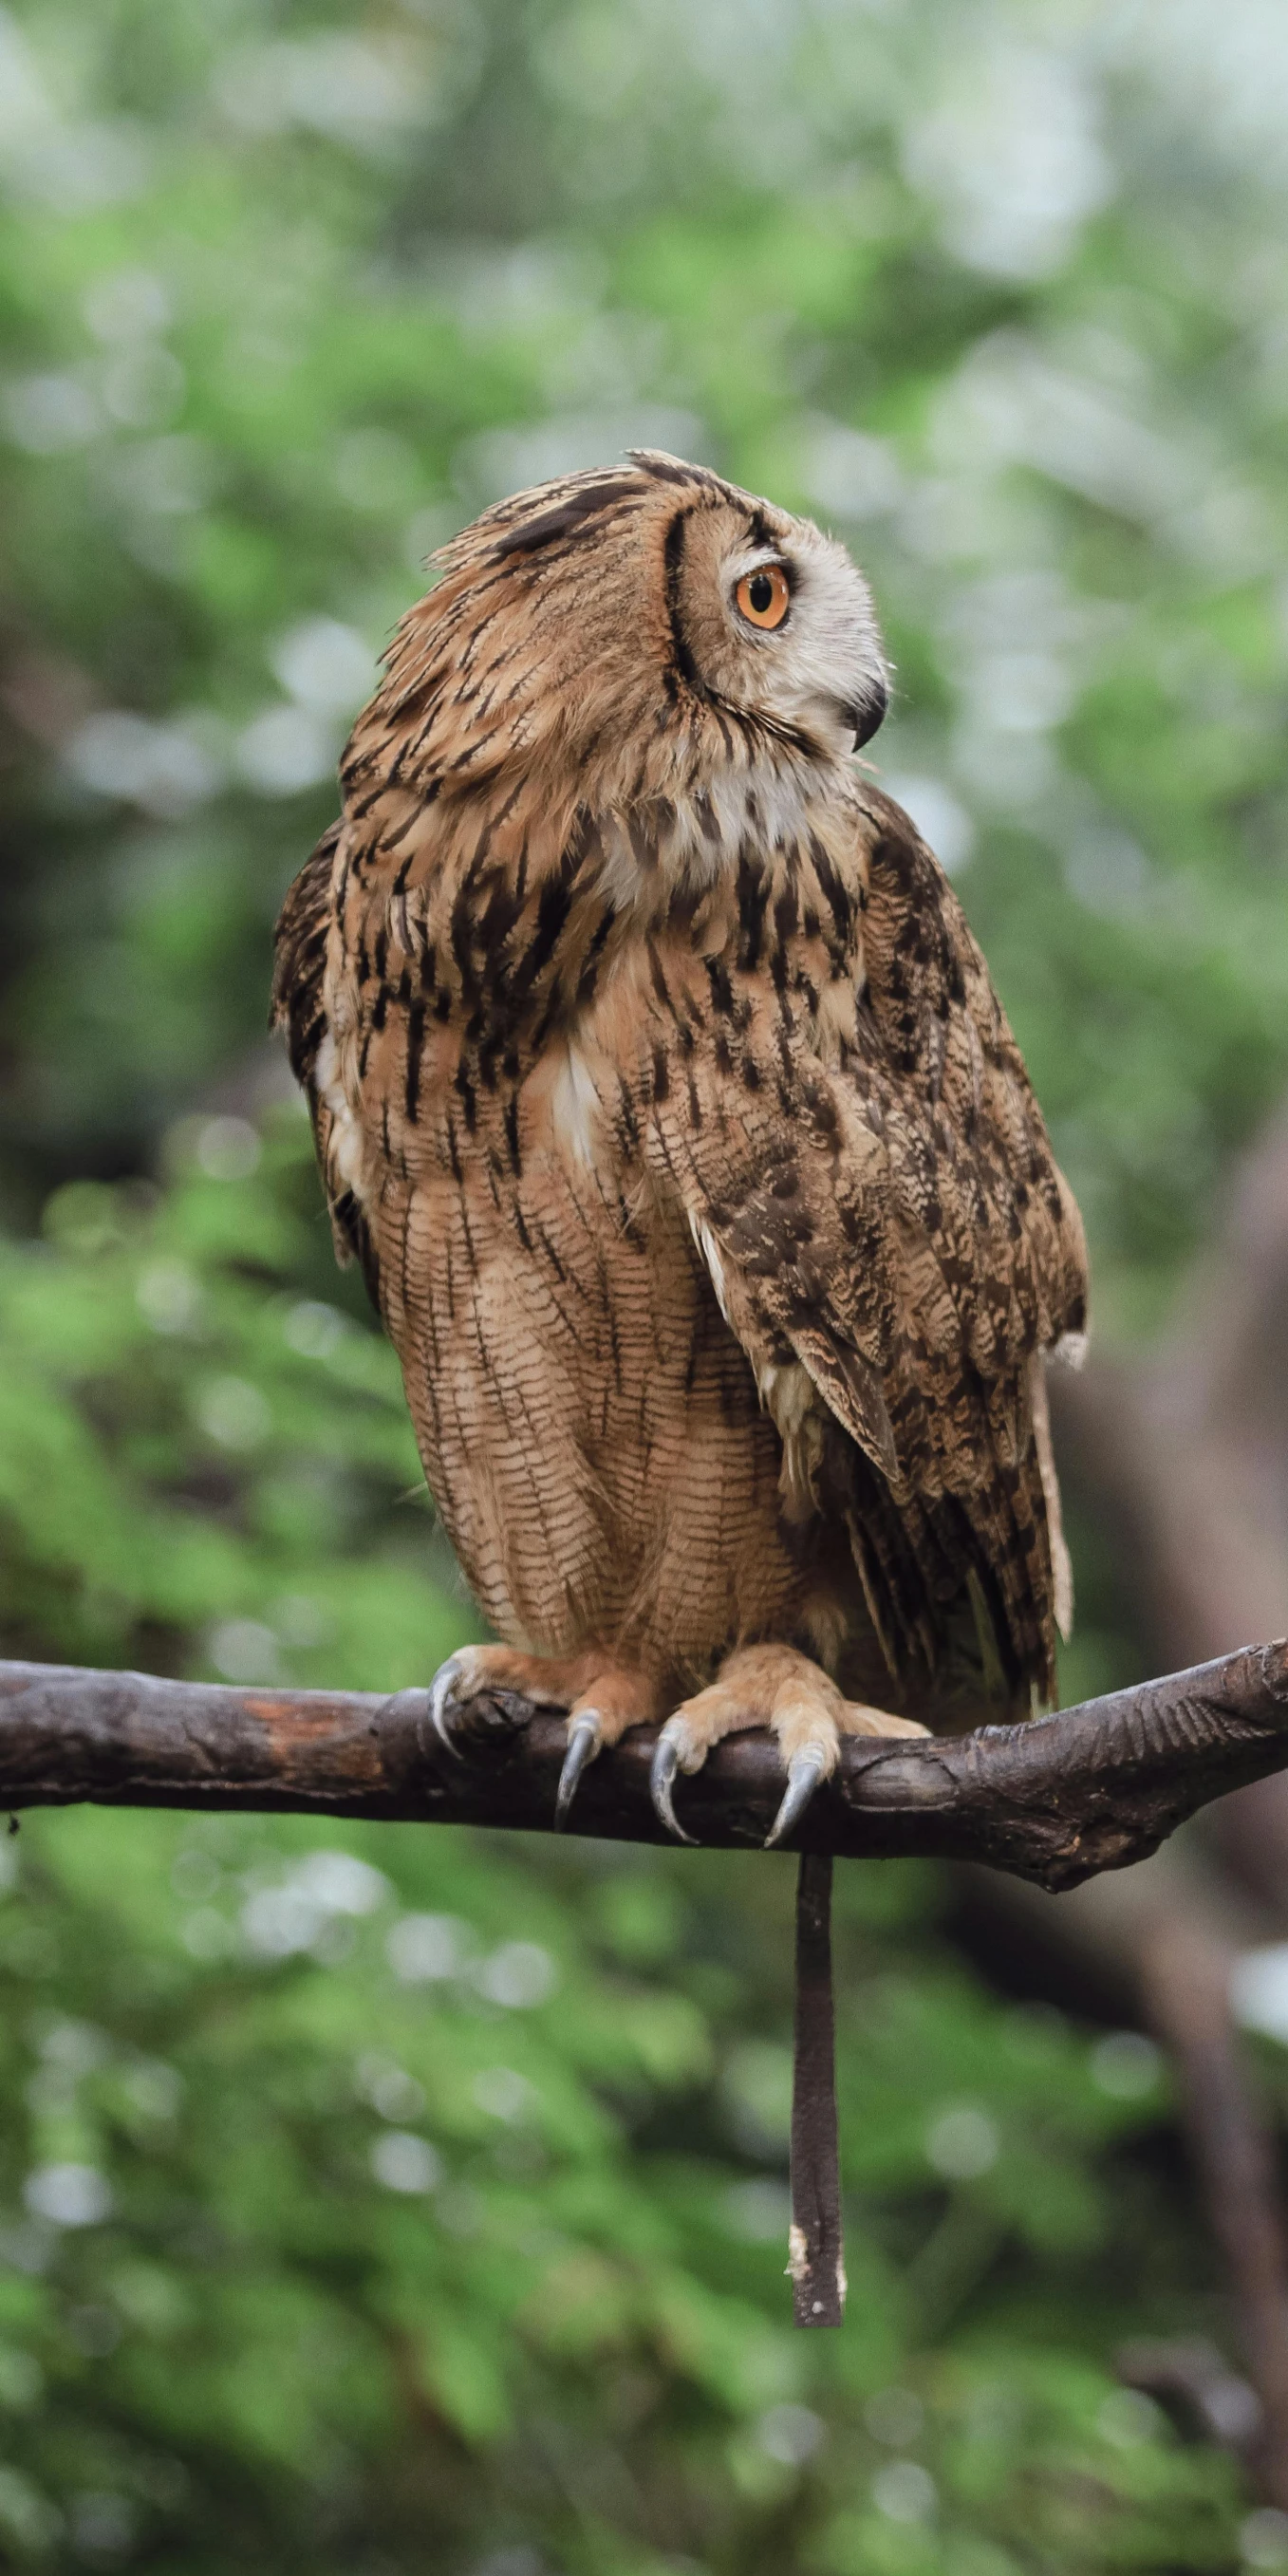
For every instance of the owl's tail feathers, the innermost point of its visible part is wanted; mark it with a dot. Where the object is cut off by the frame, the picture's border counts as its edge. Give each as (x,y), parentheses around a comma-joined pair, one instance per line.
(961,1590)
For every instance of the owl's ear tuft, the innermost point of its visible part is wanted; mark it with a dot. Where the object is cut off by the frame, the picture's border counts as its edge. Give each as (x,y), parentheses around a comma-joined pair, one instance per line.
(564,520)
(673,469)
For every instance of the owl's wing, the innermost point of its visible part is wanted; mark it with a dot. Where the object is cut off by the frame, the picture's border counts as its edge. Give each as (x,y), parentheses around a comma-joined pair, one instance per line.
(299,970)
(887,1230)
(299,959)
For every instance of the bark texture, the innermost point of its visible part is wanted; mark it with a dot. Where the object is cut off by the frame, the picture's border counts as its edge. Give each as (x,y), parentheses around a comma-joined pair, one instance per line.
(1054,1802)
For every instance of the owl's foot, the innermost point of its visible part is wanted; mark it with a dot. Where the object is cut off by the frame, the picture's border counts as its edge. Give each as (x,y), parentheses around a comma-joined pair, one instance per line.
(767,1686)
(602,1699)
(614,1697)
(474,1672)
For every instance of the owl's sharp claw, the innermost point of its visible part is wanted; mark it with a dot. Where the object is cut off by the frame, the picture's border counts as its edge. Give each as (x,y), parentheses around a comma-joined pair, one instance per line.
(662,1771)
(804,1772)
(585,1736)
(440,1691)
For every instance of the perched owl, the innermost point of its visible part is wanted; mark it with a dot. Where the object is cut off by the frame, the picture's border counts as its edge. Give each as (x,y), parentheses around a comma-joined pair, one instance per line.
(661,1091)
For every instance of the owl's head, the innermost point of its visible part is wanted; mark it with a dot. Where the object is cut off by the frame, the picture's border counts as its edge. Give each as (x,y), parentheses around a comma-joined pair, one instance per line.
(647,626)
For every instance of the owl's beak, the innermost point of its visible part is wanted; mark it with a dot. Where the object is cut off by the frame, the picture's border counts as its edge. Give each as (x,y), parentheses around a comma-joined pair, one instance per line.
(867,713)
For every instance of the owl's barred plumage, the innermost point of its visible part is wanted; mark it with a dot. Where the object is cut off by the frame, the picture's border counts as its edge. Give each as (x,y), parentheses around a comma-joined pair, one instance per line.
(662,1091)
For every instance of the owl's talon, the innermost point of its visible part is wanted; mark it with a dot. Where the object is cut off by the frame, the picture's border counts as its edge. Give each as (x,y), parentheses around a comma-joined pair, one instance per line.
(804,1772)
(440,1691)
(662,1771)
(585,1738)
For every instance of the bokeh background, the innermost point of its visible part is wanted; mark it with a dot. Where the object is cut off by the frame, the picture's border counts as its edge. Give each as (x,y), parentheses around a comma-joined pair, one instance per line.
(381,2201)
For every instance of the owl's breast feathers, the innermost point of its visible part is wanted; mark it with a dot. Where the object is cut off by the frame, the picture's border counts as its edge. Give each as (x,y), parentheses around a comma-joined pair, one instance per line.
(783,1041)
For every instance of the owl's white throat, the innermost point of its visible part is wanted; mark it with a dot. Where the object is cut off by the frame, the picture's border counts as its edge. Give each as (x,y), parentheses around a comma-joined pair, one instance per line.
(688,842)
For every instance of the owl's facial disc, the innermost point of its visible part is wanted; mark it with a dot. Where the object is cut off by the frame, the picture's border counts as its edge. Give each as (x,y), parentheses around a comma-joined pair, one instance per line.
(773,620)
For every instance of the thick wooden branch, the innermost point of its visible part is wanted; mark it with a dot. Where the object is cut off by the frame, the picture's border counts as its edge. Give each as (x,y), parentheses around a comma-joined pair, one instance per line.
(1055,1801)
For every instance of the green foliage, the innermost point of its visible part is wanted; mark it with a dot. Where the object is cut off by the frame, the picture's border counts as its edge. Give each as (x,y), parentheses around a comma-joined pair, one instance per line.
(386,2200)
(394,2200)
(189,1445)
(390,2198)
(989,292)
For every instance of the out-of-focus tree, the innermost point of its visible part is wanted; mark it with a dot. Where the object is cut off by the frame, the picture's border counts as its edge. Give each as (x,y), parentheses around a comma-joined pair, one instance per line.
(421,2202)
(288,293)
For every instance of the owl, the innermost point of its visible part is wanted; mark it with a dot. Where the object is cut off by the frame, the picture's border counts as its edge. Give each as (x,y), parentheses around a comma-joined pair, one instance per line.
(661,1091)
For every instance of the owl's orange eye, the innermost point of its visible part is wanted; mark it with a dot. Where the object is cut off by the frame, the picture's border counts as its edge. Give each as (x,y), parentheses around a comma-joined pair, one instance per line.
(763,595)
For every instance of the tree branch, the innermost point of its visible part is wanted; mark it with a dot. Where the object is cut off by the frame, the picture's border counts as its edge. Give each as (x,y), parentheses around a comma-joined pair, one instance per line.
(816,2250)
(1055,1801)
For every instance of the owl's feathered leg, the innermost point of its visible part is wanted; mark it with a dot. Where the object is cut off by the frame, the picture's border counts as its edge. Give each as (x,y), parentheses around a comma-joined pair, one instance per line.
(773,1686)
(602,1698)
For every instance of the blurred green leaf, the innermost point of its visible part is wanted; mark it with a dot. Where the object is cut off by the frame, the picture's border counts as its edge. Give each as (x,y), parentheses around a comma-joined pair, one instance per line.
(441,2224)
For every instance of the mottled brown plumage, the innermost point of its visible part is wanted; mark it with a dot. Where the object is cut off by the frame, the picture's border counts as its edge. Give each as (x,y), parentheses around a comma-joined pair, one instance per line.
(661,1089)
